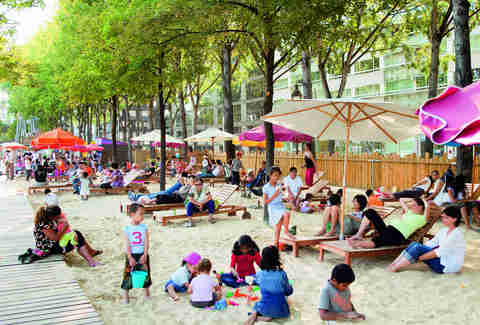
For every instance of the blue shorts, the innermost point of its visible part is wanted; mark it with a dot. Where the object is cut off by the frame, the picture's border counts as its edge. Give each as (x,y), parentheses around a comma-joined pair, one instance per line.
(180,289)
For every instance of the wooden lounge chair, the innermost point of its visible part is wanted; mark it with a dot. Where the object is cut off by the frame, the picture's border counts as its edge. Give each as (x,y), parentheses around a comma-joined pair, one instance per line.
(33,189)
(384,212)
(220,194)
(341,247)
(129,186)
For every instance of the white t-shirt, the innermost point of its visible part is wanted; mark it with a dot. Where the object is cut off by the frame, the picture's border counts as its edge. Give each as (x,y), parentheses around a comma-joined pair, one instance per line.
(204,163)
(28,164)
(451,249)
(216,171)
(202,288)
(293,184)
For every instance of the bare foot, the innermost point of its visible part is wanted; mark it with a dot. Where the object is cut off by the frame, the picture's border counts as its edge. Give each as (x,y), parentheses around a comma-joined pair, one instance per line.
(351,242)
(289,235)
(330,234)
(171,293)
(320,233)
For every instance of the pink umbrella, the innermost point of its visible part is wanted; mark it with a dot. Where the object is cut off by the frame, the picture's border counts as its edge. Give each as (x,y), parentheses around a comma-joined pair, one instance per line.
(454,116)
(280,134)
(170,144)
(76,148)
(94,147)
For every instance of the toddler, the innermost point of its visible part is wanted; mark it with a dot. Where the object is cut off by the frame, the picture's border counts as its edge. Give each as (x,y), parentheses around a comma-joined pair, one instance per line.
(180,280)
(204,289)
(84,186)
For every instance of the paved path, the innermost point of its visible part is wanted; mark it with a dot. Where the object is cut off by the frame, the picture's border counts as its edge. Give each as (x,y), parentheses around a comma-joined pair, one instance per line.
(41,293)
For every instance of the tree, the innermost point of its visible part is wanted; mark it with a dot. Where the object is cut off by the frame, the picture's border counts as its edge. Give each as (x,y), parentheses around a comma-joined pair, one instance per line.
(463,74)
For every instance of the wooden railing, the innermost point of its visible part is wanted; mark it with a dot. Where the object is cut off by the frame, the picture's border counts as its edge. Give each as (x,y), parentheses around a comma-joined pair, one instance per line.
(364,170)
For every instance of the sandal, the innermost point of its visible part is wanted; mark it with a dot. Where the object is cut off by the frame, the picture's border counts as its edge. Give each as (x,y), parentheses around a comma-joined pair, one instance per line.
(212,220)
(97,252)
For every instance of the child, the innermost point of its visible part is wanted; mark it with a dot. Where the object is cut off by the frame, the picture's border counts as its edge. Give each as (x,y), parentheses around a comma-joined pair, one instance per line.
(373,200)
(274,286)
(305,205)
(180,280)
(204,290)
(294,186)
(68,235)
(137,242)
(84,186)
(335,299)
(277,214)
(50,198)
(245,254)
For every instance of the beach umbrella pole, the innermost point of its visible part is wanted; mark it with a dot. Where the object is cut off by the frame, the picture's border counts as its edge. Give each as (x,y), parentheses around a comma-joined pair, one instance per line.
(344,196)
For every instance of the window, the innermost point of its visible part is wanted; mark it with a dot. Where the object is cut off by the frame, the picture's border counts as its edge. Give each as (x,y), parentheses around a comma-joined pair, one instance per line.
(371,64)
(397,79)
(255,88)
(281,83)
(393,59)
(237,112)
(475,42)
(476,74)
(370,90)
(422,82)
(236,92)
(254,111)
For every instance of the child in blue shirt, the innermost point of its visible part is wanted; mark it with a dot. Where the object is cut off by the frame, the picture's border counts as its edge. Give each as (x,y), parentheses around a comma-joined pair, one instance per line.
(180,279)
(274,286)
(137,242)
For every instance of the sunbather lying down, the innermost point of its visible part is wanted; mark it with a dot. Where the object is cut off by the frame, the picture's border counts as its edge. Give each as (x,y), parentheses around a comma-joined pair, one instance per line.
(177,193)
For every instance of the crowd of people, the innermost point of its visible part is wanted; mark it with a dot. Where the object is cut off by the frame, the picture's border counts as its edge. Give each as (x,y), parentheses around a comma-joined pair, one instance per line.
(444,253)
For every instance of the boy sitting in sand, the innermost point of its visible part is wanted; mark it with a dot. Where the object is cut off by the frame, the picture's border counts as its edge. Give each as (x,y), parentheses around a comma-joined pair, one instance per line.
(180,279)
(335,298)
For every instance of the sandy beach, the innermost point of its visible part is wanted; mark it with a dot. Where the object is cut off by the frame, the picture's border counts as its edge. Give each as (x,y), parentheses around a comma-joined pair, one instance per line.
(415,296)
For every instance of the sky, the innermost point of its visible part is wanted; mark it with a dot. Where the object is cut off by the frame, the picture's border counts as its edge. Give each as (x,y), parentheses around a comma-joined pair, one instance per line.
(29,21)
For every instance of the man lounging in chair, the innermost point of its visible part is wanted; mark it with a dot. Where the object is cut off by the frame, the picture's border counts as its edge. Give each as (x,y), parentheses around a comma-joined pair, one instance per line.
(175,194)
(395,234)
(422,187)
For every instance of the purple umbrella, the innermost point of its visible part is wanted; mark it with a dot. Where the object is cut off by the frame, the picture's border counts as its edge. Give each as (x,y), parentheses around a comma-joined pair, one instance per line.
(453,116)
(280,134)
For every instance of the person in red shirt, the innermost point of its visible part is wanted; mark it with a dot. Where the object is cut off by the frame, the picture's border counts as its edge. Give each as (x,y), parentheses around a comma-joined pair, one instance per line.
(245,254)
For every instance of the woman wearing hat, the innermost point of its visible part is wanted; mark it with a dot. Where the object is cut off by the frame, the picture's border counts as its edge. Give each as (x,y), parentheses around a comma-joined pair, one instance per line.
(444,253)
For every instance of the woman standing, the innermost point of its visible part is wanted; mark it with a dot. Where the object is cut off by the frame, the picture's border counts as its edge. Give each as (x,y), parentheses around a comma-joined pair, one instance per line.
(445,253)
(309,164)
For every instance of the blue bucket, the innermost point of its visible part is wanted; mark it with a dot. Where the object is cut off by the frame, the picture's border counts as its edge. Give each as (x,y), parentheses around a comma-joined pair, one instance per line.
(138,278)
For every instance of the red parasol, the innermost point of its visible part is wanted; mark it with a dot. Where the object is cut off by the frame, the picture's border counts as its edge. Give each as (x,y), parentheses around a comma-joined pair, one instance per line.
(56,139)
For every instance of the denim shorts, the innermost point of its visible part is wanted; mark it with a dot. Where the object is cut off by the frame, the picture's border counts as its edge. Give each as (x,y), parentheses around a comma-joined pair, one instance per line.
(180,289)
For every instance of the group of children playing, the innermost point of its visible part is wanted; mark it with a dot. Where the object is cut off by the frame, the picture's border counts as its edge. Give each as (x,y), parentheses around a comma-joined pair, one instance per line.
(194,277)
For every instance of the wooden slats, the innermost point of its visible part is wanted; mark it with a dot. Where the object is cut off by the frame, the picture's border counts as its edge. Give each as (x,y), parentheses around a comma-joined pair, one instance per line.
(40,293)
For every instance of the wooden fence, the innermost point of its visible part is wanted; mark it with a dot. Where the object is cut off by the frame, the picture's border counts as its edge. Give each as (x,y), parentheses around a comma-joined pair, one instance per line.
(364,170)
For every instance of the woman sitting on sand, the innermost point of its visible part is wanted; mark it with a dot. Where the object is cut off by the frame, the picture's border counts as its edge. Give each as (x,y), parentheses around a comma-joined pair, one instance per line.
(397,232)
(444,253)
(47,236)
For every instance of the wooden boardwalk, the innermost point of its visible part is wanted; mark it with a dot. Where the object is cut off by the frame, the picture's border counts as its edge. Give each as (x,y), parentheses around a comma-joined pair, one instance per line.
(41,293)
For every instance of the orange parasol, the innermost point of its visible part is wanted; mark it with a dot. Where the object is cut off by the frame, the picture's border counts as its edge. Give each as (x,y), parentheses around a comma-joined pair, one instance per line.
(56,139)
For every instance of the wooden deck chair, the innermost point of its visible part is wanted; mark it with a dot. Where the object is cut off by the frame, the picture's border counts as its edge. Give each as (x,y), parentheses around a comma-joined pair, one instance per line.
(219,194)
(33,189)
(341,247)
(128,186)
(383,212)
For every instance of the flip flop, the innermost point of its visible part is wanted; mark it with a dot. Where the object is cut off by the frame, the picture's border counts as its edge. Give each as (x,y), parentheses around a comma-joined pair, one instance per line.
(97,252)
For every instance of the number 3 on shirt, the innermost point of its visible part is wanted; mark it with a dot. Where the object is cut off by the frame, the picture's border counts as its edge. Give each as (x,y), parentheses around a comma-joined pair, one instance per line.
(137,238)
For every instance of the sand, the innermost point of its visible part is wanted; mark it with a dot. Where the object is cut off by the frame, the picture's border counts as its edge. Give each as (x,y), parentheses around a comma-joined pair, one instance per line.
(415,296)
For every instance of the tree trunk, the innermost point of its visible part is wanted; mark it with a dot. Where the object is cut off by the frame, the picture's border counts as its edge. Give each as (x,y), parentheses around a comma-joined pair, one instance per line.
(463,74)
(433,80)
(195,117)
(162,125)
(328,94)
(72,128)
(104,122)
(228,124)
(151,125)
(307,84)
(90,123)
(128,127)
(114,127)
(183,118)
